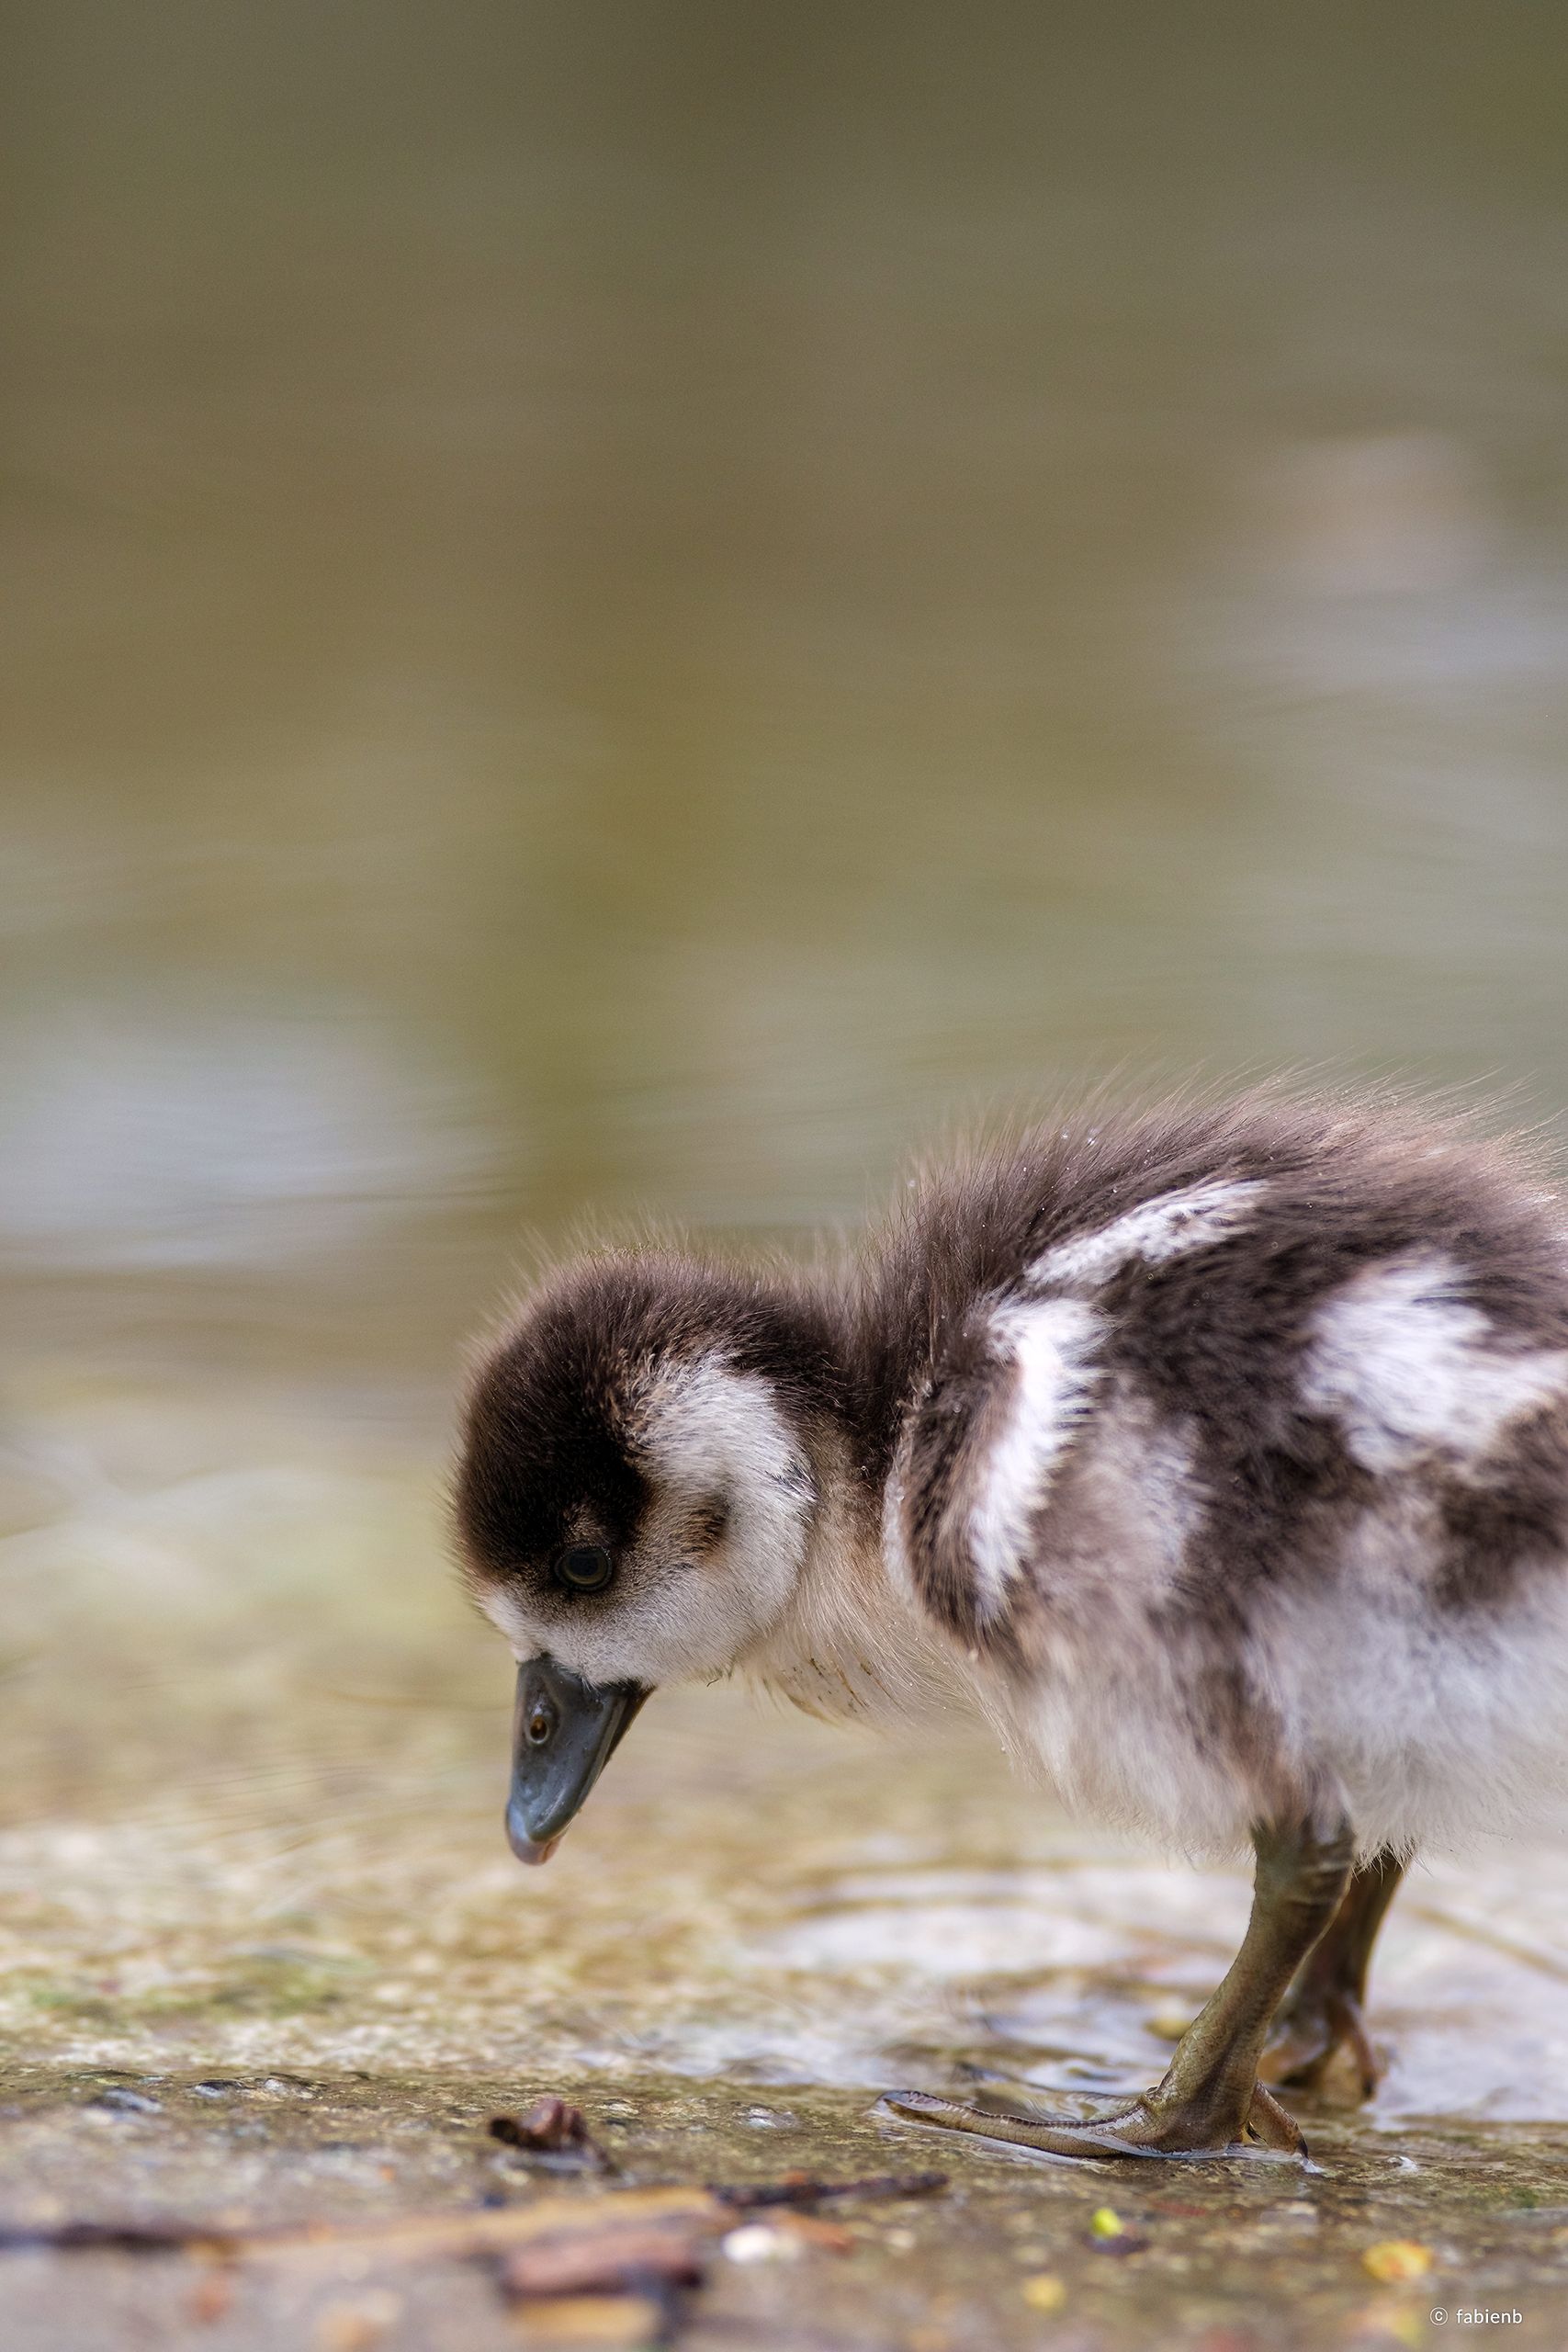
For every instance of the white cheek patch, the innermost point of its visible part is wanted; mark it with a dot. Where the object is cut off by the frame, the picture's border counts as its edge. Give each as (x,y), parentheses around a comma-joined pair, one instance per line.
(1172,1226)
(1052,1347)
(708,1433)
(1407,1366)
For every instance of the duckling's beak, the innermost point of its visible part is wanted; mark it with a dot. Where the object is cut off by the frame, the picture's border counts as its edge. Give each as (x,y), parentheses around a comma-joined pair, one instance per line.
(563,1733)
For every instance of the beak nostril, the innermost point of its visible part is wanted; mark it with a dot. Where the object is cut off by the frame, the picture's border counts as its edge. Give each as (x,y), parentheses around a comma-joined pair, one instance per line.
(562,1735)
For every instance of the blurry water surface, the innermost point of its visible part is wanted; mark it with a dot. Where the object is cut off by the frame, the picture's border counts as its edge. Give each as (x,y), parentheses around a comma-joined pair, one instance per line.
(628,607)
(617,609)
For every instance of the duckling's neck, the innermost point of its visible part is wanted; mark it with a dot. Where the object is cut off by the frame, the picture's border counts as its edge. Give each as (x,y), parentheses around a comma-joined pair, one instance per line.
(849,1643)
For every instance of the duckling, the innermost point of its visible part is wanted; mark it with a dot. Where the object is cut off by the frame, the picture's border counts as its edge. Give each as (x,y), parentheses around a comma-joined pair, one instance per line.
(1216,1454)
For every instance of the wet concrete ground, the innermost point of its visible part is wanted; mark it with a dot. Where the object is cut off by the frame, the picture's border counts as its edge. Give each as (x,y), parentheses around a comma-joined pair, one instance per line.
(264,1957)
(1224,2256)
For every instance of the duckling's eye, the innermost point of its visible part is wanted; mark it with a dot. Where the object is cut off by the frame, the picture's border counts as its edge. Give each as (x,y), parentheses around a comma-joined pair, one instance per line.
(585,1568)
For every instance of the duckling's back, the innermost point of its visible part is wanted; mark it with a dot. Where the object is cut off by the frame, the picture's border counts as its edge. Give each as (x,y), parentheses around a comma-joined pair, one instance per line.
(1230,1444)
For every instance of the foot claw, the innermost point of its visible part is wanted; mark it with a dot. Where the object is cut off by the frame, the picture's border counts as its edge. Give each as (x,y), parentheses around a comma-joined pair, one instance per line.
(1267,2123)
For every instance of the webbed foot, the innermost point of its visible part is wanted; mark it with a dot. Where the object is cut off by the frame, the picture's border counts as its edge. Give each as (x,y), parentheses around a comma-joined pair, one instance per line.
(1153,2125)
(1210,2102)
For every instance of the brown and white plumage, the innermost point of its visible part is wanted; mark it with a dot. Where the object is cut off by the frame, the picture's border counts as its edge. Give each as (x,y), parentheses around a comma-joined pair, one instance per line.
(1217,1455)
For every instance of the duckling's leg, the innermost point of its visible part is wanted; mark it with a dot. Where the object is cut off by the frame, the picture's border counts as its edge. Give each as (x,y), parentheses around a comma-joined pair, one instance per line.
(1323,2010)
(1210,2102)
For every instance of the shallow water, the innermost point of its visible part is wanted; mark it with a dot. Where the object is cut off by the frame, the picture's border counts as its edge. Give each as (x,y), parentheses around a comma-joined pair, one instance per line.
(256,1818)
(619,614)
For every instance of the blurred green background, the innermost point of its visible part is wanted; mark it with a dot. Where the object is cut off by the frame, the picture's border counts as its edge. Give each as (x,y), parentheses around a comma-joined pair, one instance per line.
(619,607)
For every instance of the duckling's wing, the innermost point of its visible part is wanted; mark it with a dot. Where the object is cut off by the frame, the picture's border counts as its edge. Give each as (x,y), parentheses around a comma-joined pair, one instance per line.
(1003,1410)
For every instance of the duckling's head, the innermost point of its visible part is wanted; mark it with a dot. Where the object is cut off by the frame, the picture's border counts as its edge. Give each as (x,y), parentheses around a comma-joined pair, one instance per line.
(634,1499)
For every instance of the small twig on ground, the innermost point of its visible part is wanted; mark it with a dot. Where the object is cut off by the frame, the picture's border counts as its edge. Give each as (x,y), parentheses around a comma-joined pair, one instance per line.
(115,2237)
(464,2236)
(614,2261)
